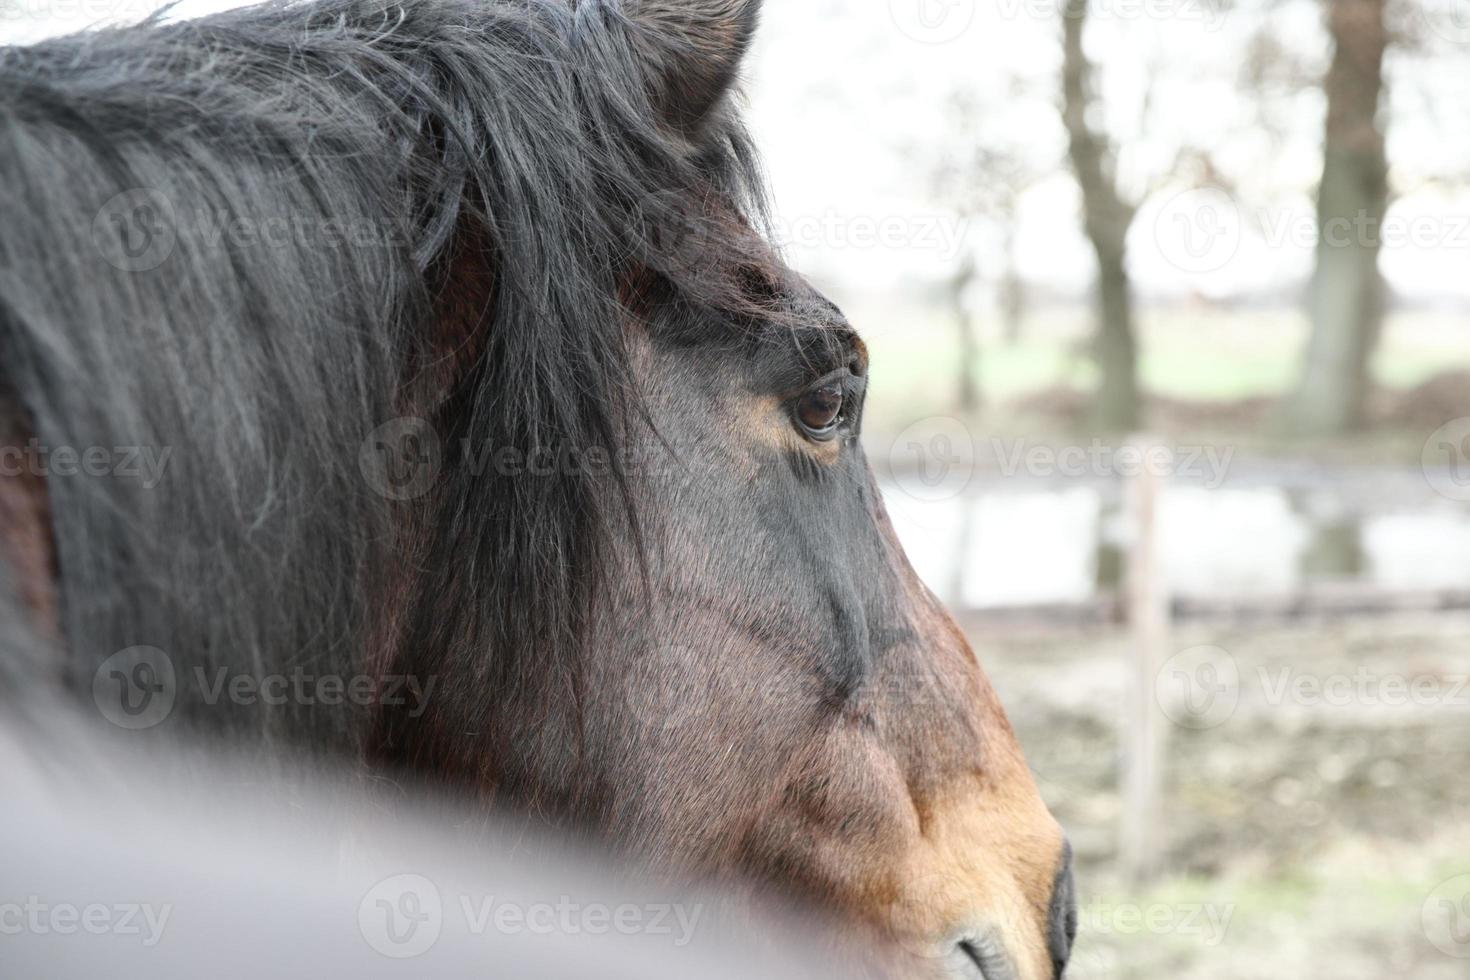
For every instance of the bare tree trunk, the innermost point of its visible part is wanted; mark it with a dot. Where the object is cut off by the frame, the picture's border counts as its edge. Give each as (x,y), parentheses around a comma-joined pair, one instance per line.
(1012,288)
(1106,218)
(969,344)
(1115,407)
(1347,292)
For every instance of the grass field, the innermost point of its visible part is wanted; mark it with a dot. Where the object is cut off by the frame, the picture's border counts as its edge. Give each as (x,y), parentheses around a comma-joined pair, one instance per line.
(1205,355)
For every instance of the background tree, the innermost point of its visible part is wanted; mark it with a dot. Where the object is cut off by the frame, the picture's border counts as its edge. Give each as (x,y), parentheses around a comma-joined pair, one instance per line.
(1346,299)
(967,370)
(1106,218)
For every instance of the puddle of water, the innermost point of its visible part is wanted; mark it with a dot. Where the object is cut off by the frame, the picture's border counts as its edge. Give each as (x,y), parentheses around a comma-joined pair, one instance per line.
(998,546)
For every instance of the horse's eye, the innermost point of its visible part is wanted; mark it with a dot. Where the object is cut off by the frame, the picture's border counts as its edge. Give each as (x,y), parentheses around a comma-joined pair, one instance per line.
(818,411)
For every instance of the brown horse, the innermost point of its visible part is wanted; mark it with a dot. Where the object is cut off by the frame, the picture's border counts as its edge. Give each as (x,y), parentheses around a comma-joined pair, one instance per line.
(437,347)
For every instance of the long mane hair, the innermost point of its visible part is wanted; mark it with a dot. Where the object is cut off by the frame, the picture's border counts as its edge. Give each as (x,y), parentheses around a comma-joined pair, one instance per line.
(370,210)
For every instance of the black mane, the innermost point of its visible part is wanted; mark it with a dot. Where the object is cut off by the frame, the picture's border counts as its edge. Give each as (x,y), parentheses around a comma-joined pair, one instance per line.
(398,143)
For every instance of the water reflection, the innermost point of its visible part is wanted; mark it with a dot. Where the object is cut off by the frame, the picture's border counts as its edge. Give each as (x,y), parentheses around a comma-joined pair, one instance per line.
(999,546)
(1235,542)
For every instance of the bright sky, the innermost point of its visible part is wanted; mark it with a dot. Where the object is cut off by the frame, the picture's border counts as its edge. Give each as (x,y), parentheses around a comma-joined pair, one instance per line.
(849,101)
(841,88)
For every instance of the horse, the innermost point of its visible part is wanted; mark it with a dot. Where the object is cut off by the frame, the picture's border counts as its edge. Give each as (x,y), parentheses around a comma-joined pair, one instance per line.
(413,387)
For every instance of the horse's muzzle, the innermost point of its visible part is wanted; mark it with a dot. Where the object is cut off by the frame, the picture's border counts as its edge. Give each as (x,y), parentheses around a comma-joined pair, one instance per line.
(985,956)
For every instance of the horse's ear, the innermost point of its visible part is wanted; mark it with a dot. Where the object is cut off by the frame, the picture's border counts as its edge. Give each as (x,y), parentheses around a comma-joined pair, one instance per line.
(691,52)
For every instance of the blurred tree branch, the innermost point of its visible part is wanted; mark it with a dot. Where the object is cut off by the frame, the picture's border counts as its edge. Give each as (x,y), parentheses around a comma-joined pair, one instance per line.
(982,176)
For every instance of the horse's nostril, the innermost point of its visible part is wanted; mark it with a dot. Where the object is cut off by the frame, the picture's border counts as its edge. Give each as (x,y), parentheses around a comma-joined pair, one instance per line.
(982,958)
(1062,924)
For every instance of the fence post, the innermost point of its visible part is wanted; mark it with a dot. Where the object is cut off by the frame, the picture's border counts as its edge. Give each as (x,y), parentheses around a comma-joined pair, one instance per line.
(1144,730)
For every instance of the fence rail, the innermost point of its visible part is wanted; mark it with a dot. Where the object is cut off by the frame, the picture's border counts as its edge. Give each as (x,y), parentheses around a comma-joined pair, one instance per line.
(1325,600)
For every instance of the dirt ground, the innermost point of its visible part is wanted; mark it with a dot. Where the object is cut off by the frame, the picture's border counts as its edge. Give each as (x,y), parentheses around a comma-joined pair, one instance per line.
(1317,815)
